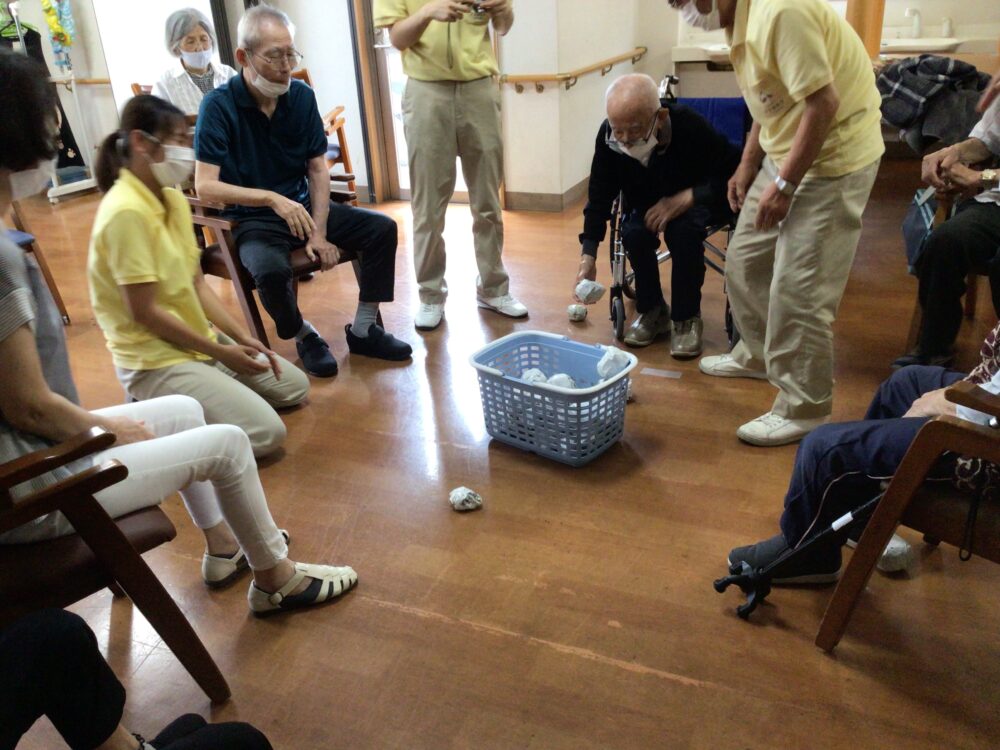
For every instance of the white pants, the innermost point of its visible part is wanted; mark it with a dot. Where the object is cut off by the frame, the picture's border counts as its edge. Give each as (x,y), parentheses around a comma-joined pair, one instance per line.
(212,466)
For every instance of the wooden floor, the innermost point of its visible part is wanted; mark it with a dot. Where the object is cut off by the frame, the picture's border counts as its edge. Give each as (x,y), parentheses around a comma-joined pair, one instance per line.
(576,609)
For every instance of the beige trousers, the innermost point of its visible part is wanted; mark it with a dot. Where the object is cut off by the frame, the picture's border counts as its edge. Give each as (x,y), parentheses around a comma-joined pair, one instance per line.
(443,120)
(785,284)
(247,401)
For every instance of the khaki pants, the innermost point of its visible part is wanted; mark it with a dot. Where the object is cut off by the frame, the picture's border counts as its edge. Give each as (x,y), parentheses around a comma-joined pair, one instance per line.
(443,120)
(785,285)
(247,401)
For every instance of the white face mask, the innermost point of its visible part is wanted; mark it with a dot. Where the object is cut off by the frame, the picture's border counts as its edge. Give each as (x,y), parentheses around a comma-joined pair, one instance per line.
(270,89)
(640,151)
(176,168)
(197,60)
(704,21)
(29,182)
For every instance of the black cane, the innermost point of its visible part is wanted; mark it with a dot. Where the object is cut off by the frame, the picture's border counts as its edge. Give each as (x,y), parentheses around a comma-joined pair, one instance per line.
(756,583)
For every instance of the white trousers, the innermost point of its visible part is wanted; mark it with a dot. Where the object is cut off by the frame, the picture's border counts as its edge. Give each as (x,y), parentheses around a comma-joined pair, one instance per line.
(212,466)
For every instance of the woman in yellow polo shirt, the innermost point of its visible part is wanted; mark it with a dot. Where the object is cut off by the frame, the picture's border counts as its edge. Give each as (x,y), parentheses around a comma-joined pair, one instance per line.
(164,442)
(149,295)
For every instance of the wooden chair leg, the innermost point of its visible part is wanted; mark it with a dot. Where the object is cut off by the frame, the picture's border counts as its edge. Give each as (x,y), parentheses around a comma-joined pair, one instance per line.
(50,281)
(916,320)
(92,522)
(116,591)
(971,295)
(913,469)
(243,285)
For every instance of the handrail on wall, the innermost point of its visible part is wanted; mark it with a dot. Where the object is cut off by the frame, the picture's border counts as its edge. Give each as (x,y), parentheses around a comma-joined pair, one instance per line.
(569,80)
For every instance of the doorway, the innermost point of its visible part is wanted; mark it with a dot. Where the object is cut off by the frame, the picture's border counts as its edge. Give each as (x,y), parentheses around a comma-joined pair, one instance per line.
(391,84)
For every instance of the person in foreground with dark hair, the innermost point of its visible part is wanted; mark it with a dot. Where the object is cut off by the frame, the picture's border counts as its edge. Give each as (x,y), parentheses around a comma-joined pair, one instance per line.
(164,442)
(50,666)
(151,299)
(261,149)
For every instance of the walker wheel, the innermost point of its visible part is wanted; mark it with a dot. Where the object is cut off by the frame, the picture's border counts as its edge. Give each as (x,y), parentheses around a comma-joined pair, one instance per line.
(618,317)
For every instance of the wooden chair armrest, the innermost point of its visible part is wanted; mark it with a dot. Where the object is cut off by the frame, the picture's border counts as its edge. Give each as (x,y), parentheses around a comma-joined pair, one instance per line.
(342,177)
(214,222)
(948,434)
(196,202)
(56,496)
(972,396)
(39,462)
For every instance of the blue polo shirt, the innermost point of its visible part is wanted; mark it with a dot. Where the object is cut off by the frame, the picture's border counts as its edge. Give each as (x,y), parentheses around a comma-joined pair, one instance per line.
(255,151)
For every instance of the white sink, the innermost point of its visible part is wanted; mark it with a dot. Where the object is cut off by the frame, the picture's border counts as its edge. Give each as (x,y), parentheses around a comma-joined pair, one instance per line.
(923,44)
(718,53)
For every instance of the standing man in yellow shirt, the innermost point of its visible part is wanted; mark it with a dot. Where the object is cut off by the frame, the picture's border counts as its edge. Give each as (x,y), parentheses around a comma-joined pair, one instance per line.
(451,109)
(807,170)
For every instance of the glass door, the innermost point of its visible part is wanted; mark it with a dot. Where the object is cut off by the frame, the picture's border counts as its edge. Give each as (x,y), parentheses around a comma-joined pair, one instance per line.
(392,82)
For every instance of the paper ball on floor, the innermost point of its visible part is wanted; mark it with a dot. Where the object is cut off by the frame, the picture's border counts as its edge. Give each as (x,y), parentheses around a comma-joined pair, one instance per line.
(463,499)
(577,312)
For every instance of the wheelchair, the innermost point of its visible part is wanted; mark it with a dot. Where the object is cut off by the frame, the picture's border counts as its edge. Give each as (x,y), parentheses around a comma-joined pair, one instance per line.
(623,279)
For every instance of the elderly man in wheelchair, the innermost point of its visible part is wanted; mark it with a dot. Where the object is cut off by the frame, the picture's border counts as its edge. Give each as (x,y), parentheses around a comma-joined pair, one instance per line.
(671,168)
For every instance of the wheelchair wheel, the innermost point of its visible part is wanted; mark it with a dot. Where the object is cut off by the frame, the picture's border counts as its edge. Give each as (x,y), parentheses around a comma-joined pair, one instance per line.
(618,317)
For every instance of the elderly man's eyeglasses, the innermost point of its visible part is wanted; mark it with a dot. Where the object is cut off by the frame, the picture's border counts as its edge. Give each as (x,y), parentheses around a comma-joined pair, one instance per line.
(630,137)
(282,59)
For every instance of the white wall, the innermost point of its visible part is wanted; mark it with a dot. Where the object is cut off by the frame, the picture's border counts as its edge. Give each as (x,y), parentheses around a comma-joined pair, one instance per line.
(549,136)
(531,120)
(324,35)
(141,57)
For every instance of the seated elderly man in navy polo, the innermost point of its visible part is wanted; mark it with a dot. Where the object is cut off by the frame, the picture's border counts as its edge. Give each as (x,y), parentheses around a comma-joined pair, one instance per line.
(260,148)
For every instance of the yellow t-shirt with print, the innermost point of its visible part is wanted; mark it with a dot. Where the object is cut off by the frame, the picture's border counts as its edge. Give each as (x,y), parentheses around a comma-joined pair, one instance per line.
(137,239)
(785,50)
(457,51)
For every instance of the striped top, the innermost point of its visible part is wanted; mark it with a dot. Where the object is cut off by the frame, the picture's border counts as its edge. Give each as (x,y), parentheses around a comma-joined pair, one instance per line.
(26,301)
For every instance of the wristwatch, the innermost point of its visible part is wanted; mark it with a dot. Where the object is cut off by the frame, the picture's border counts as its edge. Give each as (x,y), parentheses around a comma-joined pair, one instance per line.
(785,187)
(988,178)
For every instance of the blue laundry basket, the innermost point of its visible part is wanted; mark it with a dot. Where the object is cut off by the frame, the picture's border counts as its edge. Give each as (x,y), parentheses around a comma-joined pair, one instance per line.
(571,425)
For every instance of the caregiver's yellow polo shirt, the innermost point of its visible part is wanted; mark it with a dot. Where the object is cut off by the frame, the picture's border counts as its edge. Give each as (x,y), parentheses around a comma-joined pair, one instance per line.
(471,54)
(785,50)
(136,240)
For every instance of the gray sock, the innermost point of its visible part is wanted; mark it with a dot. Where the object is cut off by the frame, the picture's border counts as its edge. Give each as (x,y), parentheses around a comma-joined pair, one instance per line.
(305,330)
(364,318)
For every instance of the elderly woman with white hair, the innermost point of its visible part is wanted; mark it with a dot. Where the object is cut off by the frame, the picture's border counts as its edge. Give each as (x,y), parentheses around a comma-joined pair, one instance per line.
(190,38)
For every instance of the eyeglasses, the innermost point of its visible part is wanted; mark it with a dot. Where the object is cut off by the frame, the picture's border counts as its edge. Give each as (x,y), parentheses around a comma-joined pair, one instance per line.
(276,59)
(611,140)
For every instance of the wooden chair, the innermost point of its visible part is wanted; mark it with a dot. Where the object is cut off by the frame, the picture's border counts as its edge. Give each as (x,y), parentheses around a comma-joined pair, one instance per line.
(936,509)
(337,153)
(941,215)
(221,258)
(103,552)
(23,238)
(141,88)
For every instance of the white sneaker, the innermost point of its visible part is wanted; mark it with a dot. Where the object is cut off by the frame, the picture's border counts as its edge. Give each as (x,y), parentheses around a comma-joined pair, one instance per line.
(429,316)
(505,305)
(724,366)
(897,555)
(769,430)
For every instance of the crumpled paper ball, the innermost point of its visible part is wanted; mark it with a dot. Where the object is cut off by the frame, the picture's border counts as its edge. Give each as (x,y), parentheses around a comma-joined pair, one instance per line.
(534,375)
(612,363)
(577,312)
(589,292)
(562,380)
(463,499)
